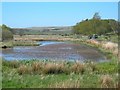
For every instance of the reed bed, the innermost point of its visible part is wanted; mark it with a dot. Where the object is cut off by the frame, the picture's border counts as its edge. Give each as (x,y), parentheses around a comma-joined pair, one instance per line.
(108,46)
(56,74)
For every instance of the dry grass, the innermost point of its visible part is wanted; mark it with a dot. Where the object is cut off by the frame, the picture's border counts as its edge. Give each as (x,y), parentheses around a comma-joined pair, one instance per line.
(52,68)
(94,42)
(78,68)
(91,65)
(107,82)
(23,69)
(66,84)
(37,67)
(115,52)
(109,46)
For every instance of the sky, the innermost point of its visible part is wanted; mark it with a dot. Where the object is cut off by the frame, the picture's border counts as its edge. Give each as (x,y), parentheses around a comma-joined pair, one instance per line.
(37,14)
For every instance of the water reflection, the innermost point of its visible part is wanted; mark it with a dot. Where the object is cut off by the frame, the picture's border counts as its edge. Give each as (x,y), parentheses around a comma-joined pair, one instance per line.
(54,51)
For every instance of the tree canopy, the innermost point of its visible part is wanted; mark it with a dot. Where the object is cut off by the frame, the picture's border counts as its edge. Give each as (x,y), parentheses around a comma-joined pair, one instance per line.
(6,33)
(96,25)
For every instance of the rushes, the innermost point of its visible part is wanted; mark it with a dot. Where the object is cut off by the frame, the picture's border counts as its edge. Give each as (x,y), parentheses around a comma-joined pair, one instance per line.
(23,69)
(53,68)
(78,68)
(37,67)
(109,46)
(91,65)
(106,82)
(53,74)
(42,68)
(12,64)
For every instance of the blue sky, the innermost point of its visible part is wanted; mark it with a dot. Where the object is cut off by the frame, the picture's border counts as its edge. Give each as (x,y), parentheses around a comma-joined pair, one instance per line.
(29,14)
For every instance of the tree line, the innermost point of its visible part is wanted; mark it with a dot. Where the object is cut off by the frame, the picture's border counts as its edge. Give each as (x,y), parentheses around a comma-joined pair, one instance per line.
(96,25)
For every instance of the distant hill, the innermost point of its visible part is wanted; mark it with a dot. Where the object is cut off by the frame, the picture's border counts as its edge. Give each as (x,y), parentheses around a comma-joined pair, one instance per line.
(43,30)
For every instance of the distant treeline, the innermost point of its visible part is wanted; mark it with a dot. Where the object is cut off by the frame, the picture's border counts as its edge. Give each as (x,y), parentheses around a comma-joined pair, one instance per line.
(6,33)
(96,25)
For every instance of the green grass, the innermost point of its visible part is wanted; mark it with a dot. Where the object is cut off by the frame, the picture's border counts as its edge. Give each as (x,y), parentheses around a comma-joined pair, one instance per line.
(9,44)
(25,43)
(90,78)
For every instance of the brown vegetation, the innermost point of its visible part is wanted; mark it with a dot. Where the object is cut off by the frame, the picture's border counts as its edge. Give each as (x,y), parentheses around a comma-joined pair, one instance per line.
(78,68)
(106,82)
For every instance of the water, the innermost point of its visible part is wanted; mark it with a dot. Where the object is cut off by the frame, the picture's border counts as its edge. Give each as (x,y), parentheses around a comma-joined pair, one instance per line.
(43,43)
(53,50)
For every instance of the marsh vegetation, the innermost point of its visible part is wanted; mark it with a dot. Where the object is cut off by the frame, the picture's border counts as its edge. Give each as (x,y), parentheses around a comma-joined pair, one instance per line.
(51,73)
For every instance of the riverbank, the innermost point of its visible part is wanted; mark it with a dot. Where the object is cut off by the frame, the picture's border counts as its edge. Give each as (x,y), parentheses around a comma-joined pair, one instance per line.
(11,44)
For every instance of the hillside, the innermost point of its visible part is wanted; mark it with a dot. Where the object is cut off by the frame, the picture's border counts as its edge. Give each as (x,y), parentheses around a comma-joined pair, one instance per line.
(42,30)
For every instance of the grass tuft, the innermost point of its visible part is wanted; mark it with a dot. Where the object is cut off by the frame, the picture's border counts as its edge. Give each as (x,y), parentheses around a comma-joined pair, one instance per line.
(23,69)
(37,67)
(78,68)
(106,81)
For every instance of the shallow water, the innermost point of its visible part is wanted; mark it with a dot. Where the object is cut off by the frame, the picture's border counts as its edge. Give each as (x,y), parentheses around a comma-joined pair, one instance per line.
(53,50)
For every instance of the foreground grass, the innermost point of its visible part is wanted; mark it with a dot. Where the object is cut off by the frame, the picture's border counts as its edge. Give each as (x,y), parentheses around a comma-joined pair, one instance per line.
(56,74)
